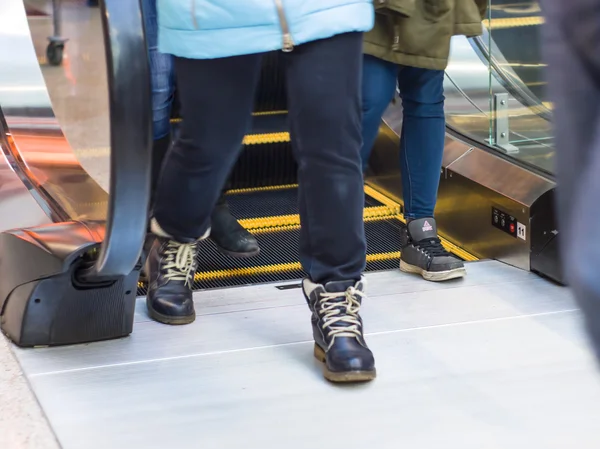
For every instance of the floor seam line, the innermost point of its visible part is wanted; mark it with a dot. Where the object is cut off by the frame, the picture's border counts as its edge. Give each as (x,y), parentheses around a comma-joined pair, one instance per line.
(233,351)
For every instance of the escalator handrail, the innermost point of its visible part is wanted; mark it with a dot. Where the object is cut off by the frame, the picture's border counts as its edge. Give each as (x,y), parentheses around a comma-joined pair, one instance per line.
(130,138)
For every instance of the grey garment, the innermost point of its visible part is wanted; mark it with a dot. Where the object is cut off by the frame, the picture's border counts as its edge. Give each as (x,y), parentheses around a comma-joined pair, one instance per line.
(571,44)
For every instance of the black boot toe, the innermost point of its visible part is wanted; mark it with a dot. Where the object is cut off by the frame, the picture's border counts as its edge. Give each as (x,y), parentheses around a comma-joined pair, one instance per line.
(175,309)
(230,237)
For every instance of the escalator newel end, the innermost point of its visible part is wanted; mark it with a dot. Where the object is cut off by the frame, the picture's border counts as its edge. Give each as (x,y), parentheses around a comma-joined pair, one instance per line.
(44,301)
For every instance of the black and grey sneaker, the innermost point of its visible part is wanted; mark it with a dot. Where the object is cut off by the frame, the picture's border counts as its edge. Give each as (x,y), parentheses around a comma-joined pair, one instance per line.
(423,253)
(338,330)
(170,267)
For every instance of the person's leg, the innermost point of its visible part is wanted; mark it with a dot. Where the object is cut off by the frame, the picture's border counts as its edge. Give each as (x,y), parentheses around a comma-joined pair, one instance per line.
(194,173)
(379,80)
(421,151)
(229,236)
(162,83)
(324,101)
(573,59)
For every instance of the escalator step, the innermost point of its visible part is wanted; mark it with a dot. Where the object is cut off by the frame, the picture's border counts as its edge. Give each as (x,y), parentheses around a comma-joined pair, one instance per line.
(278,259)
(270,95)
(264,165)
(256,203)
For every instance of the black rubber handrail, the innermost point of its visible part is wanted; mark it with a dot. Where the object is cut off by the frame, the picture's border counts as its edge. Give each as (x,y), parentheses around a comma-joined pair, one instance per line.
(130,139)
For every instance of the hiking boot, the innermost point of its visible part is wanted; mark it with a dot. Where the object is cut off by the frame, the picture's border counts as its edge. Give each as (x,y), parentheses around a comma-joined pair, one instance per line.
(422,253)
(229,236)
(338,330)
(170,267)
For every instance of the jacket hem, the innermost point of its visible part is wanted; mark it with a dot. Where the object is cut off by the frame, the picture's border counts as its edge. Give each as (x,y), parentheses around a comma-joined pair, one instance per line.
(421,62)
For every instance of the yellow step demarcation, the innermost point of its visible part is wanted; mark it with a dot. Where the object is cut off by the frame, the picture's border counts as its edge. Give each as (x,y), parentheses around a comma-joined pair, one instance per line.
(276,268)
(262,139)
(278,221)
(249,139)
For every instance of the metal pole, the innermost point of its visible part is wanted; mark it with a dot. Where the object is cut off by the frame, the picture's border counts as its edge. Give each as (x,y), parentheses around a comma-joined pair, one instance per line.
(56,17)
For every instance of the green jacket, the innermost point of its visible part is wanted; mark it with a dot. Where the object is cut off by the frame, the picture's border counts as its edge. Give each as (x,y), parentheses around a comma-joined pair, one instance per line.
(417,33)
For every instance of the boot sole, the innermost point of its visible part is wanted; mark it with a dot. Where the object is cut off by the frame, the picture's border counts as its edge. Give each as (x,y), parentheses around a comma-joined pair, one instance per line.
(343,377)
(237,255)
(434,276)
(165,319)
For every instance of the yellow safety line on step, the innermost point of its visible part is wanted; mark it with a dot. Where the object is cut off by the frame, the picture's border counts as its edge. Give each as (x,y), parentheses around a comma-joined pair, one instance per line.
(451,247)
(382,198)
(262,189)
(175,120)
(276,268)
(261,139)
(258,114)
(369,214)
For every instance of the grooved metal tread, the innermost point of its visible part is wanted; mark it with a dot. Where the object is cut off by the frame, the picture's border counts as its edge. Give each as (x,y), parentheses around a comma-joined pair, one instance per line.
(278,259)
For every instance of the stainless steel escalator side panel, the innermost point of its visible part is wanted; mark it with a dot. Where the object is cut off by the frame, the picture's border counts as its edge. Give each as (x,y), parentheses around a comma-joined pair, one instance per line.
(476,184)
(37,144)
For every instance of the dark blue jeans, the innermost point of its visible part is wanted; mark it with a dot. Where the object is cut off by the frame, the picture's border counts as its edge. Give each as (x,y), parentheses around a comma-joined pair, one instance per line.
(162,74)
(423,129)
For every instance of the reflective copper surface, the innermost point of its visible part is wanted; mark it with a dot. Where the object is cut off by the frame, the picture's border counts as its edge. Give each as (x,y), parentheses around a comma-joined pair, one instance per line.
(33,133)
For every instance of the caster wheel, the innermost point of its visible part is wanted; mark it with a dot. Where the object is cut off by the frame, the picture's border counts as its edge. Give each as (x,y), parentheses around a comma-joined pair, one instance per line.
(54,53)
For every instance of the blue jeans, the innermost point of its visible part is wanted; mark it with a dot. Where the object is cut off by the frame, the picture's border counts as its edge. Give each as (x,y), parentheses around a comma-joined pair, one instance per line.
(162,74)
(423,128)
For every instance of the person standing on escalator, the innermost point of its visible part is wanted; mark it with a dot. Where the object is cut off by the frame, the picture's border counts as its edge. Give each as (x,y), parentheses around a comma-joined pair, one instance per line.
(218,46)
(229,236)
(409,49)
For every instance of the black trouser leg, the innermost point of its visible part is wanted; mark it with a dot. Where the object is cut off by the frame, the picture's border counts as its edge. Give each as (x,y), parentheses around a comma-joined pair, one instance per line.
(159,151)
(323,82)
(217,97)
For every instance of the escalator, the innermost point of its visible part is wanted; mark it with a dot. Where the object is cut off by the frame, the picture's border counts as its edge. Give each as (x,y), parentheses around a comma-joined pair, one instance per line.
(263,192)
(263,197)
(497,354)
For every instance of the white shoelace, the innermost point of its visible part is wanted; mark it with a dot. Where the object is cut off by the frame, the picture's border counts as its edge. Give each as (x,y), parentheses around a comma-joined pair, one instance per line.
(333,311)
(180,262)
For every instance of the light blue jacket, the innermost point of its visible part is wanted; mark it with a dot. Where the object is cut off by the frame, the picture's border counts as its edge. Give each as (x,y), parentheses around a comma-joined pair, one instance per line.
(206,29)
